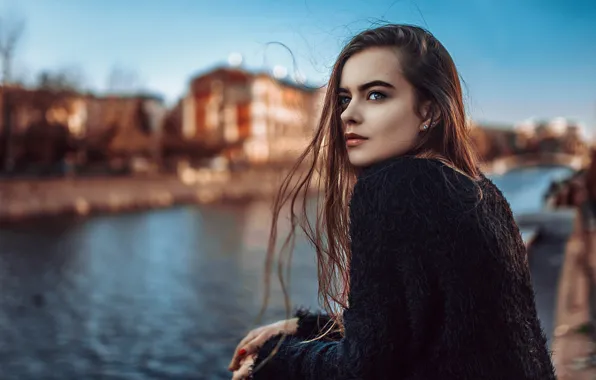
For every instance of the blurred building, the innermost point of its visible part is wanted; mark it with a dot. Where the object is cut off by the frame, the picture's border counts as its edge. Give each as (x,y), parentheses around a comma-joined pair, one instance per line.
(50,127)
(492,141)
(556,135)
(41,123)
(528,137)
(28,106)
(126,129)
(255,117)
(575,139)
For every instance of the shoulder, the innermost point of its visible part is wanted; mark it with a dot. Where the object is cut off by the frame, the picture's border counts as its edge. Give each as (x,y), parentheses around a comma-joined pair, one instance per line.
(403,167)
(412,177)
(415,185)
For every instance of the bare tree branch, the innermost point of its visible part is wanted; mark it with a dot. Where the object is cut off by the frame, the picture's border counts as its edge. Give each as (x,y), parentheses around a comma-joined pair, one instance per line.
(123,80)
(70,78)
(11,31)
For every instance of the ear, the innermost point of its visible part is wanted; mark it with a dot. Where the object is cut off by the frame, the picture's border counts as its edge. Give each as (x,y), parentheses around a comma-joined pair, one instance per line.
(429,114)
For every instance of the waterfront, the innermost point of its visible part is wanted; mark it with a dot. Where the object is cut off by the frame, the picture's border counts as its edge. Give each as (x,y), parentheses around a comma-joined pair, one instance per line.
(25,199)
(166,293)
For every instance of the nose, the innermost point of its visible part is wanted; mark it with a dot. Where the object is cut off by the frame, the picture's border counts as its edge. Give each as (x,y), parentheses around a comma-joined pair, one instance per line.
(352,115)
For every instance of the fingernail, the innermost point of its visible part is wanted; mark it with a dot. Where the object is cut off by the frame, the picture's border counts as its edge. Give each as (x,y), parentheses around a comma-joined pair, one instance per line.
(242,352)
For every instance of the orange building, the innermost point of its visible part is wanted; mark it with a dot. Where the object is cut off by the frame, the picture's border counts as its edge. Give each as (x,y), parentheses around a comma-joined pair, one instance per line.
(257,118)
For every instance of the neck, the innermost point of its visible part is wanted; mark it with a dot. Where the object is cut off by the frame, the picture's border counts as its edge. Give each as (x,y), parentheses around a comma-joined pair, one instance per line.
(380,165)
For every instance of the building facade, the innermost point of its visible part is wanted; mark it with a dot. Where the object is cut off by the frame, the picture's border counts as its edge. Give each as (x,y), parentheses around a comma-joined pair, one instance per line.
(48,126)
(257,118)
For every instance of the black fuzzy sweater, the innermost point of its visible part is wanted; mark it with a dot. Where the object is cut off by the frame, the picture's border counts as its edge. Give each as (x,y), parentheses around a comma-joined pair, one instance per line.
(439,287)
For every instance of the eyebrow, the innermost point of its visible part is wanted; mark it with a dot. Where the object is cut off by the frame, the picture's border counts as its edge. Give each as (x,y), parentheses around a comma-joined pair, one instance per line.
(370,84)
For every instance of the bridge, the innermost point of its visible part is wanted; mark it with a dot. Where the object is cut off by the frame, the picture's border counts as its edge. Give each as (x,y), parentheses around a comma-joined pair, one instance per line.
(504,164)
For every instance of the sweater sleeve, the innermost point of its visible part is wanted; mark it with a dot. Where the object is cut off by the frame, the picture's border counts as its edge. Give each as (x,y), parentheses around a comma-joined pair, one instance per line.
(311,324)
(389,290)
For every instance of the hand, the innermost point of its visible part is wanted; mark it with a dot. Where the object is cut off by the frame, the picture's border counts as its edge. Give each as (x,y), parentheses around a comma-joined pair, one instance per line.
(255,339)
(243,372)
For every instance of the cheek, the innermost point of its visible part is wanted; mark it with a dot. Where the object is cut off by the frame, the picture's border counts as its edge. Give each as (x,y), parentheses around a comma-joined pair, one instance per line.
(397,140)
(398,123)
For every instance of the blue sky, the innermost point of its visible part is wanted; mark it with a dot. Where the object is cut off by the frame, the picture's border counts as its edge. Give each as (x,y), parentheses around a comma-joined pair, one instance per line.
(519,59)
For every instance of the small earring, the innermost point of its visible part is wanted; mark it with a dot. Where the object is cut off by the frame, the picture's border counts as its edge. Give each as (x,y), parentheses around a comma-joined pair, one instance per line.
(425,127)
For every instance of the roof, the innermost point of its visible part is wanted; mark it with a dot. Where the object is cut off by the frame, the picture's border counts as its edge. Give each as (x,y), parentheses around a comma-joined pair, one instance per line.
(254,73)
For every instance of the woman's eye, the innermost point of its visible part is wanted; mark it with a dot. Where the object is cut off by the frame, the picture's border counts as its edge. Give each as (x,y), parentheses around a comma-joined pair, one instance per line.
(343,100)
(375,95)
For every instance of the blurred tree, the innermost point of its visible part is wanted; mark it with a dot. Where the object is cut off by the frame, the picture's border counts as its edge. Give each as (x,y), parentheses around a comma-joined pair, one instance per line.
(69,79)
(11,31)
(124,80)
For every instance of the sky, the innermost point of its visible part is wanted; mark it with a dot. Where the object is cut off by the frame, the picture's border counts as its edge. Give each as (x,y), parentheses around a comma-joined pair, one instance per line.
(519,59)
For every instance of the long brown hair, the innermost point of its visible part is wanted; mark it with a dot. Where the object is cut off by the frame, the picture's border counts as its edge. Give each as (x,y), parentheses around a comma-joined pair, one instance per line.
(324,164)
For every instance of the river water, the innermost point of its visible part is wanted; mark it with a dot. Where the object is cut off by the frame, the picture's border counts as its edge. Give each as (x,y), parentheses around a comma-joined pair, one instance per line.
(162,294)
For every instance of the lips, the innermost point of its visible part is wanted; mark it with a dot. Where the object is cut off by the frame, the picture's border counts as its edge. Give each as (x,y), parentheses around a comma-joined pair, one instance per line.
(354,139)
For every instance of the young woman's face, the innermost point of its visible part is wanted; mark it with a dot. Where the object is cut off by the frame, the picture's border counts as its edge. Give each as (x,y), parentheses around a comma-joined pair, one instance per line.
(378,107)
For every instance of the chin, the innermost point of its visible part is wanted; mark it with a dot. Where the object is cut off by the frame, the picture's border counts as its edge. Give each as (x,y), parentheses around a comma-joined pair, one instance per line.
(362,160)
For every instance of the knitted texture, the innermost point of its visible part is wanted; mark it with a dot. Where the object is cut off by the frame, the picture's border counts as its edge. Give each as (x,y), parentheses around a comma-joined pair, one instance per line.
(439,286)
(312,324)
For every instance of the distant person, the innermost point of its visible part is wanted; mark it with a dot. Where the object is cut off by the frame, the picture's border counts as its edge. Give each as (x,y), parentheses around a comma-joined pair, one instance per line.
(419,250)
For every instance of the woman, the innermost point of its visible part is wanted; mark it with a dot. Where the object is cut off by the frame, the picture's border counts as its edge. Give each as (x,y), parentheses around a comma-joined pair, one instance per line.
(418,248)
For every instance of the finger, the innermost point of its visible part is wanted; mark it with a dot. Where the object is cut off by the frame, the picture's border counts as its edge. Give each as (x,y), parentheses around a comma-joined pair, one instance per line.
(239,374)
(235,362)
(237,359)
(250,336)
(253,346)
(243,372)
(250,348)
